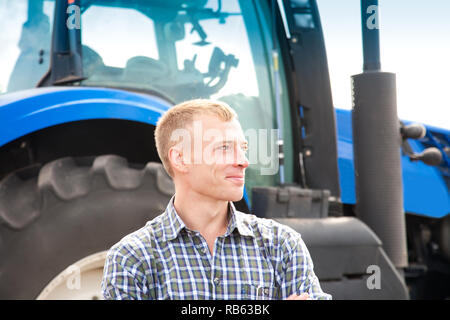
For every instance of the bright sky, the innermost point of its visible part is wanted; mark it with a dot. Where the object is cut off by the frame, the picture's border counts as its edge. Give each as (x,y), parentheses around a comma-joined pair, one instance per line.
(415,44)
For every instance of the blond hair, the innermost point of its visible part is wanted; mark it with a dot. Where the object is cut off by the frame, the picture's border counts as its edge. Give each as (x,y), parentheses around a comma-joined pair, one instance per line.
(180,117)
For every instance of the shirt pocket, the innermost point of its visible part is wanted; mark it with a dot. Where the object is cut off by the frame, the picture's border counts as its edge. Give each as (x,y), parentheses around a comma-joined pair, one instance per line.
(260,291)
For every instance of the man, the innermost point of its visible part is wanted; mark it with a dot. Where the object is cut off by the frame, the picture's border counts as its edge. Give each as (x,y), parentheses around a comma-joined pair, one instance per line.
(201,247)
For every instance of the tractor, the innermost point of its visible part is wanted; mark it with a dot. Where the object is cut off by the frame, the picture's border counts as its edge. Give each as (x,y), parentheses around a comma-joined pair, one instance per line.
(87,81)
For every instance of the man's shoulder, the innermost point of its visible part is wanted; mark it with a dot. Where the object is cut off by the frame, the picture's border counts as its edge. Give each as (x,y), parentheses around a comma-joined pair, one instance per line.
(142,240)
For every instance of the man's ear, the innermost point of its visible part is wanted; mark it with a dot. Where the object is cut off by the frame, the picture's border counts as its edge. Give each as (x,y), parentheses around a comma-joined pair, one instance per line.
(177,162)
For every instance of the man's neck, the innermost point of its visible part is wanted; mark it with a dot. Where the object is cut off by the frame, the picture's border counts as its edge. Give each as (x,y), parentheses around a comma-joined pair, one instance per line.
(203,214)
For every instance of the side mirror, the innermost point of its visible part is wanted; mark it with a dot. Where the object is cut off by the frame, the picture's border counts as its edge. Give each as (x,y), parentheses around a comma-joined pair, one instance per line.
(413,131)
(430,156)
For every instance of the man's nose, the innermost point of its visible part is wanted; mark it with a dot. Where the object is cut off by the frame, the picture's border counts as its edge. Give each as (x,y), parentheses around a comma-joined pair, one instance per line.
(241,159)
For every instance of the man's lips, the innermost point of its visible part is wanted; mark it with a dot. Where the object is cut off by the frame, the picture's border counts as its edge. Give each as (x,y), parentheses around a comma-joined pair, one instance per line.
(237,179)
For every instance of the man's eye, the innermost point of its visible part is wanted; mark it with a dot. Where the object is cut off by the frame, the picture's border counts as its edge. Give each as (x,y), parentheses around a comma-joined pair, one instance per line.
(224,147)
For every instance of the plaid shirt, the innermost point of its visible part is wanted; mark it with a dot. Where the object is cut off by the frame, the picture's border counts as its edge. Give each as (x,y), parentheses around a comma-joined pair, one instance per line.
(255,259)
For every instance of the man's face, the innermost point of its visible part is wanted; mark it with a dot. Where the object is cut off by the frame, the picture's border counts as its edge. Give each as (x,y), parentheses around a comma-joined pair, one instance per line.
(217,163)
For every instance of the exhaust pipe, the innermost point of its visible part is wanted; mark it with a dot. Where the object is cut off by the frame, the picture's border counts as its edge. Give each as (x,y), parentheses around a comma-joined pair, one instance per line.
(377,143)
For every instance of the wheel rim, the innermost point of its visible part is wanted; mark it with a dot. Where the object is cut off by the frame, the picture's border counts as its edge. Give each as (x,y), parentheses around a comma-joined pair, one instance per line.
(79,281)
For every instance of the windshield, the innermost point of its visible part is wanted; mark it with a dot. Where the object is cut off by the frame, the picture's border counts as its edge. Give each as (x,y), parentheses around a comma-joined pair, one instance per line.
(180,49)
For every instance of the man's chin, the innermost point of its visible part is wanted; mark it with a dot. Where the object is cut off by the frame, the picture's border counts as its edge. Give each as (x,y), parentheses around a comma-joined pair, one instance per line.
(235,196)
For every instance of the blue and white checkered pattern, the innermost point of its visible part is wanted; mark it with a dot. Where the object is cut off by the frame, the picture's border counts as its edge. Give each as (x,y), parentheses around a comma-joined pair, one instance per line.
(255,259)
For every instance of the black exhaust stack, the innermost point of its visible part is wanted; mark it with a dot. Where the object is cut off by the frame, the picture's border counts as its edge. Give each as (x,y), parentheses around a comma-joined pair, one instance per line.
(376,144)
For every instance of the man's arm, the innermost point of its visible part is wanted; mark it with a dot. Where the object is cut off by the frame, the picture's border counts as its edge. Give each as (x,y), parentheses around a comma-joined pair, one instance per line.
(299,276)
(124,276)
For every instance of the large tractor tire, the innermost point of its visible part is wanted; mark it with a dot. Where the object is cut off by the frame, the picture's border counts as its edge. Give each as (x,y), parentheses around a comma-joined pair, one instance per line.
(58,222)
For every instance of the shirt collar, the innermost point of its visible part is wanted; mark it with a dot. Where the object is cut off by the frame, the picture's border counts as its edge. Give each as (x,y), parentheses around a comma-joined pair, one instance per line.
(173,224)
(236,221)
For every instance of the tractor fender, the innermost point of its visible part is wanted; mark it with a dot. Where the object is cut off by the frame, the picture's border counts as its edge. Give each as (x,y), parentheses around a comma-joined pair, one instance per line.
(27,111)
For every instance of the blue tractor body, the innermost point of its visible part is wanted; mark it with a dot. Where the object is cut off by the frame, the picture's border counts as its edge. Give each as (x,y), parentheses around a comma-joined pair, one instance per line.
(23,112)
(425,189)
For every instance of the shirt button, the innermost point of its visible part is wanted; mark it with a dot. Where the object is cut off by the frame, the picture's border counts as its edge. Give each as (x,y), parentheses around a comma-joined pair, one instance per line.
(266,291)
(204,250)
(216,281)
